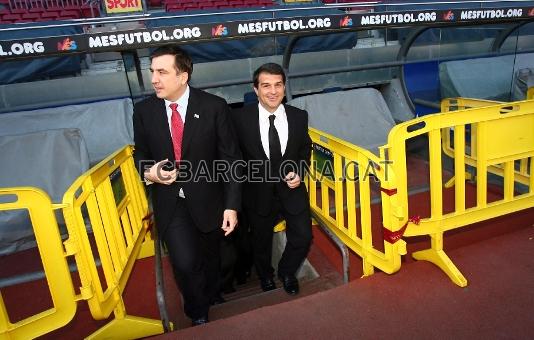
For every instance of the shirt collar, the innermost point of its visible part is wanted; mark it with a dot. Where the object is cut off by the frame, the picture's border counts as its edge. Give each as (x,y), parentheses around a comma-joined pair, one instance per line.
(264,114)
(182,101)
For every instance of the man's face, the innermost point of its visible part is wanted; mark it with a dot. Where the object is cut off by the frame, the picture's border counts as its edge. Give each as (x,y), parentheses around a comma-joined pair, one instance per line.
(270,90)
(167,81)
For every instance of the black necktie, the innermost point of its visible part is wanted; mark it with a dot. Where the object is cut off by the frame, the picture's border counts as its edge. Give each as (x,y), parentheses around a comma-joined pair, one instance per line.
(275,150)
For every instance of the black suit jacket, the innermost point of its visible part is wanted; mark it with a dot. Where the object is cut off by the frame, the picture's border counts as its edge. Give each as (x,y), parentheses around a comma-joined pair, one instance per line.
(208,136)
(259,195)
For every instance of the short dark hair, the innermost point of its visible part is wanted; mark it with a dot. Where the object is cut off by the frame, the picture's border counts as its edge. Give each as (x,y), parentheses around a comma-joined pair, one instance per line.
(271,68)
(182,60)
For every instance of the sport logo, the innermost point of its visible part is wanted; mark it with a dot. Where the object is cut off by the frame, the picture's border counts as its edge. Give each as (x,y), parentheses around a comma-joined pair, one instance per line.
(345,22)
(449,16)
(219,31)
(67,45)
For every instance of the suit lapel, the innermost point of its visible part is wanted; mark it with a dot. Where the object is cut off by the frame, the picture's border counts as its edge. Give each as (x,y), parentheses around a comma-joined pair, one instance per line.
(163,125)
(191,119)
(291,126)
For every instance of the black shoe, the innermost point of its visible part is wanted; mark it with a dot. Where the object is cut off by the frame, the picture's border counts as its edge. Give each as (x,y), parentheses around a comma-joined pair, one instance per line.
(267,284)
(291,284)
(217,300)
(241,278)
(229,290)
(200,321)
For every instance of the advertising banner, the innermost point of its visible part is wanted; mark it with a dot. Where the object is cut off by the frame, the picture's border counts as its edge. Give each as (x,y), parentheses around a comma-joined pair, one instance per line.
(123,6)
(143,38)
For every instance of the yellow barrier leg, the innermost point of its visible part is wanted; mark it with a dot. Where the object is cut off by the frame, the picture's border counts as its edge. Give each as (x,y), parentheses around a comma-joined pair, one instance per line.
(437,256)
(368,268)
(127,326)
(147,248)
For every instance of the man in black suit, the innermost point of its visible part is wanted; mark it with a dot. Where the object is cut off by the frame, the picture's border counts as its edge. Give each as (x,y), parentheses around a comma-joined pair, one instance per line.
(274,141)
(191,130)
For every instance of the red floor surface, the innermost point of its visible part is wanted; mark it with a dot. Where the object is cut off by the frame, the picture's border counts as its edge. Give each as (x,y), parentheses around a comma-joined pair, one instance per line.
(419,302)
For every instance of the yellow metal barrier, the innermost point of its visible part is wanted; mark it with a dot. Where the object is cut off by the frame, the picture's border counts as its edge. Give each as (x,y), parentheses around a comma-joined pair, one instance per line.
(455,104)
(111,198)
(54,263)
(521,168)
(501,135)
(341,168)
(114,199)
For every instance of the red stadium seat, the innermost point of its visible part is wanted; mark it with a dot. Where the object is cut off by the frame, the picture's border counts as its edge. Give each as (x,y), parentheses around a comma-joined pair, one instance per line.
(69,14)
(37,10)
(12,17)
(207,6)
(86,11)
(173,7)
(190,5)
(31,16)
(236,3)
(19,10)
(155,3)
(50,15)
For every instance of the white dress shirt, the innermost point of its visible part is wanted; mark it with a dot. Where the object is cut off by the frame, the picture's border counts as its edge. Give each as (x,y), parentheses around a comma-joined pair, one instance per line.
(280,122)
(182,110)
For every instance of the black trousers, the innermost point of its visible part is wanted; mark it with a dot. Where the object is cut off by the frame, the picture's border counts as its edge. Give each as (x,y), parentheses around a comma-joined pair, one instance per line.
(298,234)
(195,258)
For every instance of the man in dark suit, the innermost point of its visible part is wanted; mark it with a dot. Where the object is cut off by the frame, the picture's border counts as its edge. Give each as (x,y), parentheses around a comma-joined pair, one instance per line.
(191,130)
(274,141)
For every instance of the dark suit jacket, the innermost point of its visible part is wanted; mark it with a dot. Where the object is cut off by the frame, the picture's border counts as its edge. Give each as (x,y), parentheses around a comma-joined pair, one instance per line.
(259,195)
(208,136)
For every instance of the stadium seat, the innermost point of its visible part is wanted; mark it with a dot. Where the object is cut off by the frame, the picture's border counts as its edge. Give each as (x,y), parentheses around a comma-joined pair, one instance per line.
(235,3)
(155,3)
(173,7)
(31,16)
(19,10)
(207,5)
(86,11)
(190,6)
(12,17)
(69,14)
(37,9)
(50,15)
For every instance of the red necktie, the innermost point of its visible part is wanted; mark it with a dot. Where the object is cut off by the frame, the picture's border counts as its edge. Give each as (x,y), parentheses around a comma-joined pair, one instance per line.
(177,130)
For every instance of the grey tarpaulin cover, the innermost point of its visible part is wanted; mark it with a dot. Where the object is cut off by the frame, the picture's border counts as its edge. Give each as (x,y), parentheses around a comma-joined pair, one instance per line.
(50,160)
(394,97)
(106,126)
(359,116)
(483,78)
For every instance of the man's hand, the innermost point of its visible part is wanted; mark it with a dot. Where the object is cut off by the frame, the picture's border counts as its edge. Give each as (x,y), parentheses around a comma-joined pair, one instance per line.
(292,179)
(229,221)
(157,174)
